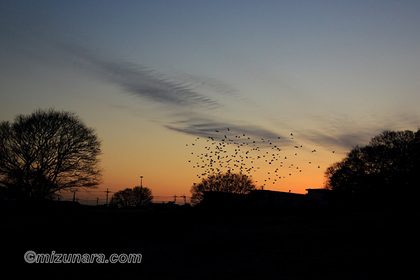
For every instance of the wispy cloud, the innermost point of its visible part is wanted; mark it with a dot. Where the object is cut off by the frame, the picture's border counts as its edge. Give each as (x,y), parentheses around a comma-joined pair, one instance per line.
(340,140)
(344,132)
(142,81)
(207,127)
(182,93)
(191,97)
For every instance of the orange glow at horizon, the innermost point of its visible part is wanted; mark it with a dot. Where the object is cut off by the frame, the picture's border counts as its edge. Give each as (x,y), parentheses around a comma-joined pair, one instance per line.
(172,168)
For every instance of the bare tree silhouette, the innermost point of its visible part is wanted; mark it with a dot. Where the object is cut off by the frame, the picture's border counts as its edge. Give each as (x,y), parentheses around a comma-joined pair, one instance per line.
(46,152)
(135,197)
(222,182)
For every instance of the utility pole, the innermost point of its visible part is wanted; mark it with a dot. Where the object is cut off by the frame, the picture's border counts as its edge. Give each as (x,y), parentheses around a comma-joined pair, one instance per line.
(141,182)
(74,195)
(107,192)
(97,201)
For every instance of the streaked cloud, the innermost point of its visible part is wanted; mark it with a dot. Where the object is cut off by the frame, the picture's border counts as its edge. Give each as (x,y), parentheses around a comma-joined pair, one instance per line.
(187,97)
(344,132)
(193,101)
(207,127)
(340,140)
(144,82)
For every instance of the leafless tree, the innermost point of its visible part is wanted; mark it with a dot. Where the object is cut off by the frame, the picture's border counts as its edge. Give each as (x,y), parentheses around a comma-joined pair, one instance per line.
(135,197)
(223,182)
(46,152)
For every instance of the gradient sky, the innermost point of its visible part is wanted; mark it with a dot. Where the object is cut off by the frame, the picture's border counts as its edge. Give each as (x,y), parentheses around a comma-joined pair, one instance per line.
(152,76)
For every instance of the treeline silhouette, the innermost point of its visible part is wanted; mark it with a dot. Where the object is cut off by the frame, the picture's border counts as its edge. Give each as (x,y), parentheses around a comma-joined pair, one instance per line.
(36,162)
(49,151)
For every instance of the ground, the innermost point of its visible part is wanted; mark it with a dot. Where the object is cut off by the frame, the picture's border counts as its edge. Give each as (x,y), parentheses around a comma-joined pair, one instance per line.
(188,243)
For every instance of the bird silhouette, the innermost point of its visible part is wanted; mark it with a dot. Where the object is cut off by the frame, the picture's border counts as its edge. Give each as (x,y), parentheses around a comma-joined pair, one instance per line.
(234,151)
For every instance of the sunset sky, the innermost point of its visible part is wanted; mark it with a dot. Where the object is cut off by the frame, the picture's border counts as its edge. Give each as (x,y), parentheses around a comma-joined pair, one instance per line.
(152,76)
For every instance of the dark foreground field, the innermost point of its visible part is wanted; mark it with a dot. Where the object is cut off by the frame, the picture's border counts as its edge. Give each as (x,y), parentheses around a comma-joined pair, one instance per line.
(198,244)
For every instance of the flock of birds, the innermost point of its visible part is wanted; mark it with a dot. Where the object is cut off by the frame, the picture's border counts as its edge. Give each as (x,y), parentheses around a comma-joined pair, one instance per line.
(239,153)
